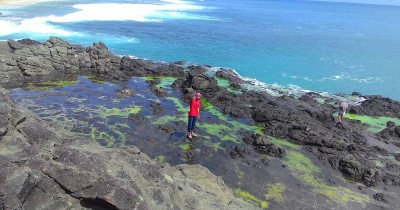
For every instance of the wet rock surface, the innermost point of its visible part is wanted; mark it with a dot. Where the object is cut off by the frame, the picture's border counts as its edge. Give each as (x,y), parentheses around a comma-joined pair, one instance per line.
(47,162)
(42,167)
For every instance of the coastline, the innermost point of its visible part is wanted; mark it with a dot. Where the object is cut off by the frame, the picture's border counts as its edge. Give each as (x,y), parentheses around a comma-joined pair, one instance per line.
(20,2)
(290,132)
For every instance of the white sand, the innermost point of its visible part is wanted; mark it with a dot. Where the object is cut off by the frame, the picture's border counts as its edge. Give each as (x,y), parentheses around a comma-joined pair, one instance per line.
(20,2)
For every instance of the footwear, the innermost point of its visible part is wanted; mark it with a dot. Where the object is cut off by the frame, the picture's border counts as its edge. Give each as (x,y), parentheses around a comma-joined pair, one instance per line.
(193,134)
(189,136)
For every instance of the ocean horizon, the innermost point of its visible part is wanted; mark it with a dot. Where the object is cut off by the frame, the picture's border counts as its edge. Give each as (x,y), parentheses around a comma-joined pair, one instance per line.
(322,46)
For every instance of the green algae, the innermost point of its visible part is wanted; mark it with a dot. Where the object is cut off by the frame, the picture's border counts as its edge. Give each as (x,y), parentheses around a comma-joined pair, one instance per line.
(113,135)
(188,147)
(101,135)
(378,164)
(160,159)
(93,79)
(105,112)
(297,162)
(224,132)
(140,95)
(221,131)
(233,124)
(284,143)
(47,86)
(185,147)
(155,100)
(251,198)
(166,82)
(376,124)
(215,146)
(179,104)
(275,192)
(320,100)
(304,170)
(168,119)
(226,84)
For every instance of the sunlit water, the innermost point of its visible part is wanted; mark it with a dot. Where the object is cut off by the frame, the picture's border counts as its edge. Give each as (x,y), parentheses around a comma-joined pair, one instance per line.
(319,46)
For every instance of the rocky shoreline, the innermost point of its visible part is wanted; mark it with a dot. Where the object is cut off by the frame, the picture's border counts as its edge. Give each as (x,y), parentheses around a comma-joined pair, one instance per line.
(41,161)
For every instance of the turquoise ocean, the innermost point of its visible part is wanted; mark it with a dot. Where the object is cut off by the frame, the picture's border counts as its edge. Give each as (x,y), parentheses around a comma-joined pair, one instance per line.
(324,46)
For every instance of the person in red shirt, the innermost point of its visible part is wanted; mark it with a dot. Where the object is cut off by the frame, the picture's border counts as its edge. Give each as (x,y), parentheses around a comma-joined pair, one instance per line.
(194,114)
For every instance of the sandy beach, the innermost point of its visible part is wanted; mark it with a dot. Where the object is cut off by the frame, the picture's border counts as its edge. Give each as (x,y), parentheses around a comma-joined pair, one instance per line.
(20,2)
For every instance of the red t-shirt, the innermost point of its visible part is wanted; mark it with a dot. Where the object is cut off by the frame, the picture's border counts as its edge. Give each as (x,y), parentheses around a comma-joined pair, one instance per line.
(194,107)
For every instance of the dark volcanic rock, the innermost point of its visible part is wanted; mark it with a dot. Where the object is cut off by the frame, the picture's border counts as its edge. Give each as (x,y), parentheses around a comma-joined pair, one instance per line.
(397,131)
(380,197)
(353,169)
(42,167)
(378,106)
(262,144)
(64,172)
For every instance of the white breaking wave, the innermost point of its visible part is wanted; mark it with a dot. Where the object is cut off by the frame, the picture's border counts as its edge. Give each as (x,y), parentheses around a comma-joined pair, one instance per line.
(131,12)
(10,26)
(279,90)
(167,9)
(340,76)
(347,76)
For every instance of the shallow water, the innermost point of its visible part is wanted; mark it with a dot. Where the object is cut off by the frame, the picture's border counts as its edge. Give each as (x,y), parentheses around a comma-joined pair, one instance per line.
(97,110)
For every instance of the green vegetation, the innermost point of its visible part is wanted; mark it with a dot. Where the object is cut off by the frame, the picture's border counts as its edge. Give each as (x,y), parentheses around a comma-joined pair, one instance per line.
(215,146)
(251,199)
(168,119)
(320,100)
(160,159)
(164,82)
(93,79)
(275,192)
(221,131)
(185,147)
(284,143)
(105,112)
(226,84)
(111,136)
(378,164)
(47,86)
(234,125)
(376,124)
(303,169)
(179,105)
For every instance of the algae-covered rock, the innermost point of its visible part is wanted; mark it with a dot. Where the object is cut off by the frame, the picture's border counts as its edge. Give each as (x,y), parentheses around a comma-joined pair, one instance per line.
(53,170)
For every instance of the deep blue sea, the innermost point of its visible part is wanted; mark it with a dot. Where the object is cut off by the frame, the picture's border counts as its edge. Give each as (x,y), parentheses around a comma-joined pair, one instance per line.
(312,45)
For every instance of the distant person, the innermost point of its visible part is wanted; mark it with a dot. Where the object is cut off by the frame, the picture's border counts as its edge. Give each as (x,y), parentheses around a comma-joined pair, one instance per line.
(340,114)
(194,114)
(342,111)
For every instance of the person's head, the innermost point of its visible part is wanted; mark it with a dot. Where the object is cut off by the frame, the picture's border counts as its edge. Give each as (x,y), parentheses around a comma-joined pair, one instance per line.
(197,95)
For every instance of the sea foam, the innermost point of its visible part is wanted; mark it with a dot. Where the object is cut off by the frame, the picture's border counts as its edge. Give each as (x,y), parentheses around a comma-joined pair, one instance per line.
(275,89)
(167,9)
(132,12)
(37,25)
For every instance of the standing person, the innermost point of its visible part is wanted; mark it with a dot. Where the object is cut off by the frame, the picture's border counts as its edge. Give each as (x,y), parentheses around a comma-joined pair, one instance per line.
(194,114)
(342,111)
(340,114)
